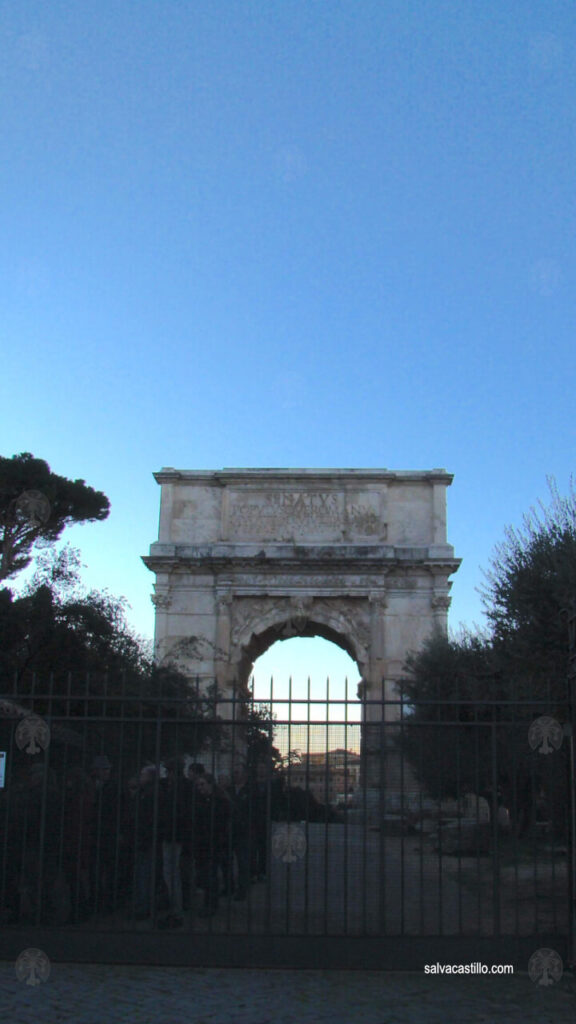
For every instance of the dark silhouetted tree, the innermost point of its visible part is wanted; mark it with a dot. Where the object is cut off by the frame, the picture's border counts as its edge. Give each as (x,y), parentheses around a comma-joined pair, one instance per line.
(36,505)
(458,692)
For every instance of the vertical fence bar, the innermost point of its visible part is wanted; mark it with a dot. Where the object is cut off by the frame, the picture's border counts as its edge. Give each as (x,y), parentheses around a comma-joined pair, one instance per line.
(7,796)
(62,870)
(156,808)
(345,894)
(120,866)
(97,834)
(381,707)
(83,893)
(572,837)
(269,830)
(307,824)
(421,851)
(514,803)
(251,818)
(228,715)
(402,822)
(458,733)
(326,792)
(364,818)
(494,831)
(440,710)
(572,784)
(533,833)
(477,733)
(41,893)
(290,801)
(136,817)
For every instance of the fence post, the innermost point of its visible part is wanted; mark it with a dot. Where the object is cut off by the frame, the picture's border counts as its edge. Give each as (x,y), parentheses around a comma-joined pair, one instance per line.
(495,835)
(572,782)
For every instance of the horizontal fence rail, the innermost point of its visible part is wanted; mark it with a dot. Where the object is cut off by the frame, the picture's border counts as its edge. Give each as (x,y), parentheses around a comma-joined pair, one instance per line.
(206,827)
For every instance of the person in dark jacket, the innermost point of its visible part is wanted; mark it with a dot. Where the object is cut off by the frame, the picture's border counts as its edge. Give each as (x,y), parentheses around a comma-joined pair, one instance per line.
(175,829)
(211,819)
(77,841)
(103,833)
(241,829)
(145,825)
(33,840)
(191,771)
(261,803)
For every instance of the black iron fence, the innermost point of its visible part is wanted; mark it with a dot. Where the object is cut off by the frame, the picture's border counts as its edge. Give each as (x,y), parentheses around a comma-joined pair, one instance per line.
(212,828)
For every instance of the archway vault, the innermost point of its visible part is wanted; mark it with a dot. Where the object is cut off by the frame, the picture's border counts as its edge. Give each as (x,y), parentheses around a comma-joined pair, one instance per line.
(280,630)
(247,556)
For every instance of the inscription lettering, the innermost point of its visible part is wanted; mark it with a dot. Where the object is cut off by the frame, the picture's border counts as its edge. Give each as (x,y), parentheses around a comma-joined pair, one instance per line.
(281,515)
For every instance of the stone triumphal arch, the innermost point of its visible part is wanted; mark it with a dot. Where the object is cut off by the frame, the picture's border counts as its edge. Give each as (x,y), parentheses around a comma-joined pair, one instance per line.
(249,556)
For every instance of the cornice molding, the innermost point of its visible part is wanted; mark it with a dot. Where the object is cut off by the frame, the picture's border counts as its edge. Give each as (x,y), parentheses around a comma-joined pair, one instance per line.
(299,558)
(223,477)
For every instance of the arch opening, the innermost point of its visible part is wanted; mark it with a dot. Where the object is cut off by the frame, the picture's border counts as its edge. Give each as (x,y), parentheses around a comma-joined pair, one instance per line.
(307,668)
(310,687)
(270,651)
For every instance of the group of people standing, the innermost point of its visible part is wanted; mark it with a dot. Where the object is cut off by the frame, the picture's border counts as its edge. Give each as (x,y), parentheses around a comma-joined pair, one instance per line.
(88,844)
(194,831)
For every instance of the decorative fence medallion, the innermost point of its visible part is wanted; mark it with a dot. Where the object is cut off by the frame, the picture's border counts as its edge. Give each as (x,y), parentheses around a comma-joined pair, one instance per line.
(32,734)
(545,967)
(289,842)
(32,966)
(545,735)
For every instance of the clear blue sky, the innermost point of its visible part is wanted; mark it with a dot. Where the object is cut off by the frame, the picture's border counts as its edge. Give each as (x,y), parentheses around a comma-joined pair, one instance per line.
(323,233)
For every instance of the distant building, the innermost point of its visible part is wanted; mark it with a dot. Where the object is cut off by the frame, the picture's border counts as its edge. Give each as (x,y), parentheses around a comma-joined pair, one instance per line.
(329,775)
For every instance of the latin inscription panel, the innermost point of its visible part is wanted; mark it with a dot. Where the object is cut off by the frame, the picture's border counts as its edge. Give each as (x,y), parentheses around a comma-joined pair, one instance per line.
(311,515)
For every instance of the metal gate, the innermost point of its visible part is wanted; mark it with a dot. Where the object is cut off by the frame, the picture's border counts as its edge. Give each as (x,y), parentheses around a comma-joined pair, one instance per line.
(219,830)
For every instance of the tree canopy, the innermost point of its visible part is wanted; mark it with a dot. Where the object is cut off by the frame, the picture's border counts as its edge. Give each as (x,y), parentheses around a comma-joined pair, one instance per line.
(36,505)
(56,627)
(470,701)
(530,588)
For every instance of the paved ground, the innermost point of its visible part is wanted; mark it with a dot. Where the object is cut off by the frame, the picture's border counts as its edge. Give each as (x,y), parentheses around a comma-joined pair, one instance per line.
(139,995)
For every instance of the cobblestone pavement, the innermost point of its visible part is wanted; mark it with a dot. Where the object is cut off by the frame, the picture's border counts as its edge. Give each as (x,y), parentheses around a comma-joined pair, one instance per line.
(140,995)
